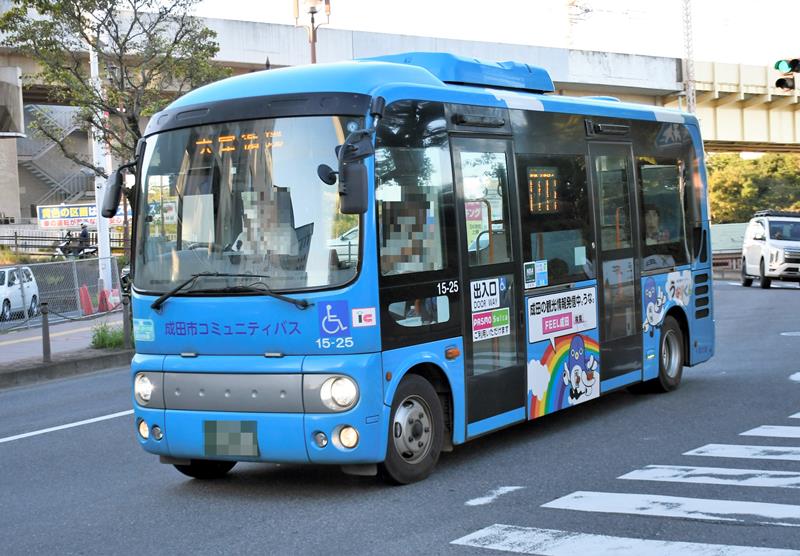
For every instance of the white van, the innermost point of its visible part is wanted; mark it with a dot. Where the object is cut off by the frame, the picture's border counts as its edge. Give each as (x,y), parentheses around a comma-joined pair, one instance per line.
(18,292)
(771,248)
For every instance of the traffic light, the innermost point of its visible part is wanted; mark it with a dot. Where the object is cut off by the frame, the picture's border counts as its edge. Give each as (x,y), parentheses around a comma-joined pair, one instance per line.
(787,67)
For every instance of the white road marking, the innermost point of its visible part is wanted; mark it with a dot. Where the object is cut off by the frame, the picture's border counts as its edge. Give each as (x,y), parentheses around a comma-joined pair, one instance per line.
(67,426)
(551,542)
(785,453)
(492,496)
(795,416)
(734,283)
(794,333)
(763,513)
(715,476)
(795,377)
(773,431)
(52,335)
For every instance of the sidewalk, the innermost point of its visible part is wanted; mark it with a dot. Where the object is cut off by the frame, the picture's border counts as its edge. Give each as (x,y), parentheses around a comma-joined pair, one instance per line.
(21,352)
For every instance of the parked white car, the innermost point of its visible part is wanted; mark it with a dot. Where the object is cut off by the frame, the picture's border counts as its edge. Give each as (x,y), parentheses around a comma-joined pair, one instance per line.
(19,292)
(771,248)
(346,247)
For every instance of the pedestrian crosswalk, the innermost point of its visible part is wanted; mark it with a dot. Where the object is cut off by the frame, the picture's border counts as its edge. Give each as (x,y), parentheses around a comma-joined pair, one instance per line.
(551,542)
(530,540)
(715,476)
(762,513)
(785,453)
(774,431)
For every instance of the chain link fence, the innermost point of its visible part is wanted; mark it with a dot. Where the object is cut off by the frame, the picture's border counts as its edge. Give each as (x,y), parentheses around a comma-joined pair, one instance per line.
(72,290)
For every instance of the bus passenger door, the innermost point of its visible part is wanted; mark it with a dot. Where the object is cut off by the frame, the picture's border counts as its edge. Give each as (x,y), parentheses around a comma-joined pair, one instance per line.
(618,268)
(493,340)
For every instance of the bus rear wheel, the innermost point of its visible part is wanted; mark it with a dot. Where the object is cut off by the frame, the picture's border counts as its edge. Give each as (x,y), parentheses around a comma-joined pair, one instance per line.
(670,357)
(416,432)
(206,469)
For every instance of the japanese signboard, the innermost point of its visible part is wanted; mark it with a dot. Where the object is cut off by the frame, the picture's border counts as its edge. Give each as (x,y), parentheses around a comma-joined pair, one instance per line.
(61,217)
(559,314)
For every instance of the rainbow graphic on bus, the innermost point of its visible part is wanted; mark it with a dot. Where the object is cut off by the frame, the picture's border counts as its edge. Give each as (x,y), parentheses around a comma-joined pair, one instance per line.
(566,374)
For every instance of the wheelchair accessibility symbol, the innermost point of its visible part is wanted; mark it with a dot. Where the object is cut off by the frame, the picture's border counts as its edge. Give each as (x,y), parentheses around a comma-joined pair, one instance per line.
(334,318)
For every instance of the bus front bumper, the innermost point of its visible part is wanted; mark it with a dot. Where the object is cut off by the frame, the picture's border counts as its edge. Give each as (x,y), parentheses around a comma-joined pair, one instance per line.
(266,417)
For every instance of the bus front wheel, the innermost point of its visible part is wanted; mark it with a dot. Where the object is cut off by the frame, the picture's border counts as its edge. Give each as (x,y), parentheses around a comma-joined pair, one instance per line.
(416,432)
(206,469)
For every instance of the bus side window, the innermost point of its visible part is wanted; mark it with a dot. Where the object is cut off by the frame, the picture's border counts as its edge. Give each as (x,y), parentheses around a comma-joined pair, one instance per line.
(662,184)
(556,216)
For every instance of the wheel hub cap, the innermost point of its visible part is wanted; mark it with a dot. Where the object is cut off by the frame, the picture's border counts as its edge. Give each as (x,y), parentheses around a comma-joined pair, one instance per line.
(413,429)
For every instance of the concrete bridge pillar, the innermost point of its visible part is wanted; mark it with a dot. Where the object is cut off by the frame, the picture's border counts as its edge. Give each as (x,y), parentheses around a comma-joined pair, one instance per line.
(9,179)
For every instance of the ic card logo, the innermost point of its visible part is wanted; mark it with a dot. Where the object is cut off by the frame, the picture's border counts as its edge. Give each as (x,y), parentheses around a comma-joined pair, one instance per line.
(363,317)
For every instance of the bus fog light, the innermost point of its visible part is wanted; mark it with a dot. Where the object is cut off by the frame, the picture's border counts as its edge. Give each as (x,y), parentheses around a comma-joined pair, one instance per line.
(339,393)
(144,430)
(348,436)
(156,432)
(143,388)
(321,439)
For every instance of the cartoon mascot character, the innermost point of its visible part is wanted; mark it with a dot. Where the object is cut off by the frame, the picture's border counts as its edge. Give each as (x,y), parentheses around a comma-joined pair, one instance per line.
(579,372)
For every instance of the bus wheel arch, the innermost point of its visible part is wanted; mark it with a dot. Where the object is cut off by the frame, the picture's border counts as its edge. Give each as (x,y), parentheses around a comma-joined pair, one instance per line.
(683,322)
(438,379)
(674,338)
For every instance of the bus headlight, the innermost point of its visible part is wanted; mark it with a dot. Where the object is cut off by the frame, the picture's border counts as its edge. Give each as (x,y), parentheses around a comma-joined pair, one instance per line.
(339,393)
(142,389)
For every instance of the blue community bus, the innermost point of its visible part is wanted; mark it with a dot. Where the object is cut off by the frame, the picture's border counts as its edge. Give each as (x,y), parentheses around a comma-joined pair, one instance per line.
(367,263)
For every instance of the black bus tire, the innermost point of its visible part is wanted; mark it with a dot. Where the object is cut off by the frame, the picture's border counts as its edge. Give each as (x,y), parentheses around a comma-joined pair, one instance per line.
(416,432)
(206,469)
(670,356)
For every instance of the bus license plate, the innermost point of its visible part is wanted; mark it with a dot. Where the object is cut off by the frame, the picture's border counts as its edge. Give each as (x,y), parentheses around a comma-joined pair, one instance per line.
(230,438)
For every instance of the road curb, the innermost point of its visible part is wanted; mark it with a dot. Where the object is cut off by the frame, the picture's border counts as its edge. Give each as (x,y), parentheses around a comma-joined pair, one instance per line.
(63,365)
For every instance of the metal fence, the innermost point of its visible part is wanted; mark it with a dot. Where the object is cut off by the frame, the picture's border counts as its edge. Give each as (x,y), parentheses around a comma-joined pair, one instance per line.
(72,290)
(36,242)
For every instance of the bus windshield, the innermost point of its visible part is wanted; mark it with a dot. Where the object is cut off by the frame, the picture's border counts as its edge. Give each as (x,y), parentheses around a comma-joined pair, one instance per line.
(244,198)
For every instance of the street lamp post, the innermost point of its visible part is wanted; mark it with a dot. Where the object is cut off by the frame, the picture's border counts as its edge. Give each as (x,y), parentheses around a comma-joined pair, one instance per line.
(311,8)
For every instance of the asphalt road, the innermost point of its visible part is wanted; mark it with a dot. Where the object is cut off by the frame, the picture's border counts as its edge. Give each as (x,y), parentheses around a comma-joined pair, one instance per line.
(90,489)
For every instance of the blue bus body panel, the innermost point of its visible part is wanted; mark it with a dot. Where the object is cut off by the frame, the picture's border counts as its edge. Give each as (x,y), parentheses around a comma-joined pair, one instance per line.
(282,437)
(369,416)
(660,294)
(459,69)
(399,361)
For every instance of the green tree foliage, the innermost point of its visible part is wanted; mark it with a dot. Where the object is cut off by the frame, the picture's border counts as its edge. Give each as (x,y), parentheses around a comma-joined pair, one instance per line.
(149,52)
(740,187)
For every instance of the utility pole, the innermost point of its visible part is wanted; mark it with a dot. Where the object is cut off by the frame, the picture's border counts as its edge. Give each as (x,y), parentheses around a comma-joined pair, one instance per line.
(101,158)
(688,62)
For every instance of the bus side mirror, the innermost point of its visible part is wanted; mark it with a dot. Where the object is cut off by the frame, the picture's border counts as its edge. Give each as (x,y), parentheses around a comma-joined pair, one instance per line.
(353,188)
(112,196)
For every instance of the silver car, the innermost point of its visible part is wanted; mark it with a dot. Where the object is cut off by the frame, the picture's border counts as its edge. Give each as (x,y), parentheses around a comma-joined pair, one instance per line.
(18,292)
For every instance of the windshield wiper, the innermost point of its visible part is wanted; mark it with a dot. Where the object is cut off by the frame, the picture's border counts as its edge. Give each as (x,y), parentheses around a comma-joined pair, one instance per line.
(156,305)
(259,288)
